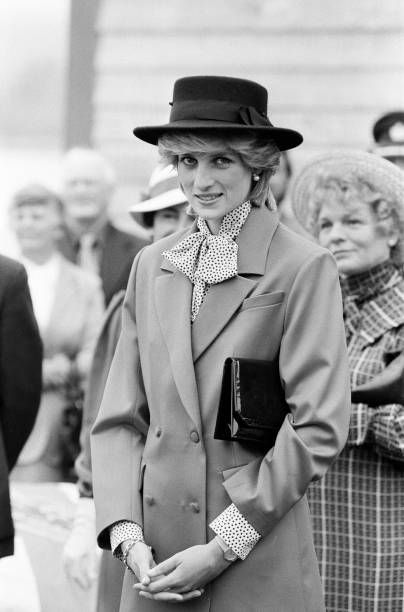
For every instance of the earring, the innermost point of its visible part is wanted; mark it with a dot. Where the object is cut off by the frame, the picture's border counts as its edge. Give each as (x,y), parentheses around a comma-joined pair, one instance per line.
(392,242)
(255,177)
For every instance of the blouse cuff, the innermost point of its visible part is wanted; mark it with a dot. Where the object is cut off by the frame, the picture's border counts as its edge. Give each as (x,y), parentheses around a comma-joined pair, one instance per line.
(236,531)
(121,531)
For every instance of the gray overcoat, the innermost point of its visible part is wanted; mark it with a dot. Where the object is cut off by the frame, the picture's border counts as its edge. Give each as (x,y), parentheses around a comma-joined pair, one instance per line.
(155,461)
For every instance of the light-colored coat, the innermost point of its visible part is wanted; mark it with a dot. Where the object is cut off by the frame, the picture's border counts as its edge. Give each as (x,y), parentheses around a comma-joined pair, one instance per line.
(72,330)
(155,461)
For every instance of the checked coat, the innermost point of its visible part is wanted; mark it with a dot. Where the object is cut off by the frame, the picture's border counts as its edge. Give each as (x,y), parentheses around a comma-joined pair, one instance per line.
(358,508)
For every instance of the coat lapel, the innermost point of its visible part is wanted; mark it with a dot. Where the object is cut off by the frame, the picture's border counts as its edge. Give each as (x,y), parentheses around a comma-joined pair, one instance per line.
(173,293)
(223,299)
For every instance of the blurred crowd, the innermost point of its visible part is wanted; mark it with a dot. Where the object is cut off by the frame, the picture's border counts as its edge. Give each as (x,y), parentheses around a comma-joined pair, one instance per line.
(73,267)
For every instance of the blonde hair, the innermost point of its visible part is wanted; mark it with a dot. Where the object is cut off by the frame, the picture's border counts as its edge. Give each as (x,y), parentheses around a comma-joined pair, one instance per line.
(350,189)
(259,156)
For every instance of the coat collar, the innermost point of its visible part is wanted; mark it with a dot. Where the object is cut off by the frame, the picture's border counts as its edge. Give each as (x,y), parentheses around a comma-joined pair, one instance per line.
(173,294)
(381,314)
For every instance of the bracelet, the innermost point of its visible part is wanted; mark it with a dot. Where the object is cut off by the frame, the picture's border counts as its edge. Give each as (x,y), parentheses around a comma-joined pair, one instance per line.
(125,553)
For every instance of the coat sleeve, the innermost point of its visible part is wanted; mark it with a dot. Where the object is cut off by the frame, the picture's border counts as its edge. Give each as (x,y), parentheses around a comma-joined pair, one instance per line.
(118,436)
(314,370)
(20,366)
(103,354)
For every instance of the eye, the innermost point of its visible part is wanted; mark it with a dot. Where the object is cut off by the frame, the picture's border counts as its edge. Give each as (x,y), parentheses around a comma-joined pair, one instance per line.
(353,221)
(188,161)
(324,224)
(223,162)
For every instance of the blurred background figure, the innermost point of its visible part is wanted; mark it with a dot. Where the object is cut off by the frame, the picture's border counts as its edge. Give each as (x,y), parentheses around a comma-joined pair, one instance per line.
(353,204)
(388,135)
(280,181)
(163,212)
(20,392)
(20,381)
(90,239)
(68,306)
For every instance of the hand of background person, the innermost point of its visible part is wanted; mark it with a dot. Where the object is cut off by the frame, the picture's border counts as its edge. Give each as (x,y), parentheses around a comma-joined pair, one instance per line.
(56,370)
(183,576)
(81,554)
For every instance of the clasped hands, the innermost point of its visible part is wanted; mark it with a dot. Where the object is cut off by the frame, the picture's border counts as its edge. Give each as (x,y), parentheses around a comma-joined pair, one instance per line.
(178,578)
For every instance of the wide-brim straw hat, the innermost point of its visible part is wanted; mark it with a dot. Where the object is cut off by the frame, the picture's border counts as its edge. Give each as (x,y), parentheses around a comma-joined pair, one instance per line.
(222,104)
(163,191)
(382,175)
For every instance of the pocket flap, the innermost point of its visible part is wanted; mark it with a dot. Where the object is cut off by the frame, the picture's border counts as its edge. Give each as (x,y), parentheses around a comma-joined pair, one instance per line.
(265,299)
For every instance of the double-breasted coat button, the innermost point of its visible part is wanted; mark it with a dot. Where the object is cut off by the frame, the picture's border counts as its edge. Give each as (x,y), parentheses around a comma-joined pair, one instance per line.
(195,507)
(158,432)
(194,436)
(149,500)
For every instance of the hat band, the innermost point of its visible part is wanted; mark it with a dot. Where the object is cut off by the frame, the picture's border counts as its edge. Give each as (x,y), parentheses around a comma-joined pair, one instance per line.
(217,110)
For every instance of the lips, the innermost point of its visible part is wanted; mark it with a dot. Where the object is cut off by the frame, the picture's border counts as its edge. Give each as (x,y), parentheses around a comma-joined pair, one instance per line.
(347,252)
(207,198)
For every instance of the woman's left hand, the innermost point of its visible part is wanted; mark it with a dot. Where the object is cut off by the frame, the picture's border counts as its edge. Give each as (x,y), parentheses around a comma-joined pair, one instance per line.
(183,574)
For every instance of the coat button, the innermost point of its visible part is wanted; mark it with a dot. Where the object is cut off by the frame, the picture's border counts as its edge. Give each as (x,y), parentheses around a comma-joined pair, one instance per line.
(195,507)
(149,500)
(194,436)
(158,432)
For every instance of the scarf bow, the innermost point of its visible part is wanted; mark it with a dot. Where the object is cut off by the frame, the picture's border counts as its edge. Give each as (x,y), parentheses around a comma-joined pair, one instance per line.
(206,258)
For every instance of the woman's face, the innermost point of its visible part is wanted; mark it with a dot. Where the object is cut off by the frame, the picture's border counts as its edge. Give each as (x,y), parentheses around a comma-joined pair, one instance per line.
(170,220)
(353,235)
(36,226)
(214,183)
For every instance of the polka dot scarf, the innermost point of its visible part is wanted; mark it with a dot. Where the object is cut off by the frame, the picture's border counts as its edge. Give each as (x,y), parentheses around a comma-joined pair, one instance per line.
(207,258)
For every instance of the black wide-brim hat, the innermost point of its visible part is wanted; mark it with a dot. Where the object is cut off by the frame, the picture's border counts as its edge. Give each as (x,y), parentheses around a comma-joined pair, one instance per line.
(225,104)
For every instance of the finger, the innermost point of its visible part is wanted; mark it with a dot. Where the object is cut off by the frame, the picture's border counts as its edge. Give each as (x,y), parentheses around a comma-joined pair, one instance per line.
(165,567)
(166,583)
(191,594)
(173,597)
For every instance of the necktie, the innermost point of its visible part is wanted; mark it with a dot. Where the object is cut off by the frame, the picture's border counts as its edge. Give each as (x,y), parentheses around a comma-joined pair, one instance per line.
(88,255)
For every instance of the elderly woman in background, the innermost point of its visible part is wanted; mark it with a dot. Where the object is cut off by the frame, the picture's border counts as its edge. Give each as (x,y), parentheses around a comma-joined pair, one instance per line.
(68,305)
(353,203)
(227,521)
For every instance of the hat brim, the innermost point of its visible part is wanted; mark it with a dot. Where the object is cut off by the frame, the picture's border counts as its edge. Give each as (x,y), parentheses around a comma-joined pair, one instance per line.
(389,151)
(174,197)
(284,138)
(383,175)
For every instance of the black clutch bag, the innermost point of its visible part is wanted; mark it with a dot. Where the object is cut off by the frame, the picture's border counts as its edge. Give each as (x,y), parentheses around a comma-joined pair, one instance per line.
(252,404)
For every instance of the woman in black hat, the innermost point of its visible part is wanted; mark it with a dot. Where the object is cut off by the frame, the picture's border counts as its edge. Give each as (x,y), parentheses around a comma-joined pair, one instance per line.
(207,522)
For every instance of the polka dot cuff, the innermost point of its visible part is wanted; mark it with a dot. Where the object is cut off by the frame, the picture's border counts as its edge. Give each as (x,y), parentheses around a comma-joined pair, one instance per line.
(236,531)
(121,531)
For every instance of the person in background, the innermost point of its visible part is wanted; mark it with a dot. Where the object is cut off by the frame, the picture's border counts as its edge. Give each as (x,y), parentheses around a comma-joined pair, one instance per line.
(90,239)
(279,185)
(388,136)
(163,212)
(20,382)
(353,203)
(209,523)
(68,306)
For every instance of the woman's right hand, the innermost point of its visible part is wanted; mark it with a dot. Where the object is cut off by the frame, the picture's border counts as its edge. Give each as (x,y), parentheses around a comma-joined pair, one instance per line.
(140,560)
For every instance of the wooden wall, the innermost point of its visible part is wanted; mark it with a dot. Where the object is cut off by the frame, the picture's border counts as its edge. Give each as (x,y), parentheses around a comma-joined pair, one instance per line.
(331,67)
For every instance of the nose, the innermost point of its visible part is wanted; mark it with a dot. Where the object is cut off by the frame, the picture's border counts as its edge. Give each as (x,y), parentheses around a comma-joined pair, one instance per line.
(336,233)
(203,179)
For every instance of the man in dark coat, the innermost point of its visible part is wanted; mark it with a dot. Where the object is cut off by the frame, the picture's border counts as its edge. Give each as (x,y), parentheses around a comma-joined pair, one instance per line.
(90,239)
(20,381)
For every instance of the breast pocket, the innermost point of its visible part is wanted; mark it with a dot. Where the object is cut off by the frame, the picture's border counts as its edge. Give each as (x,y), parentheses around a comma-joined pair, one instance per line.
(263,300)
